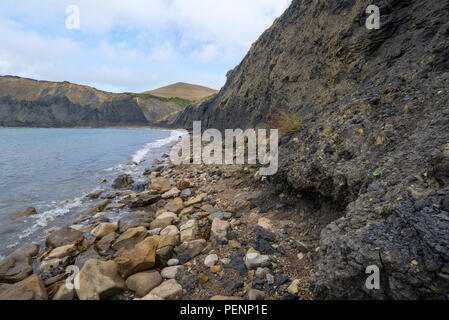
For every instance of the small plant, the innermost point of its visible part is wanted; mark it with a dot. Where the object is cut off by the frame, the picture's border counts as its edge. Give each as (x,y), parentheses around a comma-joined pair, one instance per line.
(378,173)
(288,124)
(381,81)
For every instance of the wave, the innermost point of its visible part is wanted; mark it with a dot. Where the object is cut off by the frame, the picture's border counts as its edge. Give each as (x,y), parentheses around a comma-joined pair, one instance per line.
(140,155)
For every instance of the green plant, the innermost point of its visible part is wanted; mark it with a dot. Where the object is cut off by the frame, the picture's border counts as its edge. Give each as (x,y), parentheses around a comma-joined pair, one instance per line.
(378,173)
(381,81)
(286,123)
(180,102)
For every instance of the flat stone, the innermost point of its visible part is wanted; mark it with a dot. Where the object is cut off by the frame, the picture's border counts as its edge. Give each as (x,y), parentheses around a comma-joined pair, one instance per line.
(103,230)
(143,200)
(99,280)
(254,259)
(160,185)
(172,262)
(17,266)
(141,258)
(31,288)
(167,214)
(62,252)
(294,287)
(196,200)
(211,260)
(183,185)
(170,231)
(175,205)
(191,248)
(221,215)
(219,230)
(64,236)
(142,283)
(161,223)
(85,256)
(130,238)
(171,272)
(189,230)
(49,264)
(173,193)
(99,207)
(168,290)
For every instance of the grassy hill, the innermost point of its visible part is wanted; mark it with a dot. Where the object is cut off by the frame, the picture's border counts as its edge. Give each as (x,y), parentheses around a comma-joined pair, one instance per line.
(183,91)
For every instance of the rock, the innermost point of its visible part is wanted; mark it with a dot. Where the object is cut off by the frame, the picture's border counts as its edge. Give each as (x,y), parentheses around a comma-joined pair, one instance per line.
(99,207)
(173,193)
(143,200)
(31,288)
(211,260)
(221,215)
(270,279)
(219,230)
(64,236)
(202,278)
(191,248)
(171,272)
(134,220)
(141,258)
(189,230)
(101,181)
(175,205)
(255,295)
(167,214)
(196,200)
(225,298)
(160,185)
(130,238)
(25,213)
(99,280)
(103,230)
(265,223)
(150,297)
(168,290)
(300,256)
(254,259)
(172,262)
(49,264)
(62,252)
(154,232)
(261,273)
(85,256)
(17,266)
(161,223)
(185,194)
(105,244)
(64,294)
(123,182)
(187,211)
(183,185)
(95,195)
(215,269)
(294,287)
(170,231)
(234,244)
(142,283)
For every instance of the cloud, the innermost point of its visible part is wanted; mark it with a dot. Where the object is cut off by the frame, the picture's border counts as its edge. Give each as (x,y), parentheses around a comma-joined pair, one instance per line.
(133,45)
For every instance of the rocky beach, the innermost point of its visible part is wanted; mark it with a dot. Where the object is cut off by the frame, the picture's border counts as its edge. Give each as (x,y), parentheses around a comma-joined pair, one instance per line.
(199,232)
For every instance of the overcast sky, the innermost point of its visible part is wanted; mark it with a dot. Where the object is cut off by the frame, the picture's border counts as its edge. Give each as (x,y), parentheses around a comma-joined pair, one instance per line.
(131,45)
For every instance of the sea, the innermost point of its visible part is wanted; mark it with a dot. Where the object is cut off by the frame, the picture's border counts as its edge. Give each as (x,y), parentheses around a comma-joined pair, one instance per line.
(53,170)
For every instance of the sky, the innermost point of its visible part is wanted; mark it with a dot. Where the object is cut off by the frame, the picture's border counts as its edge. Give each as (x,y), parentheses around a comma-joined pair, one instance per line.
(131,45)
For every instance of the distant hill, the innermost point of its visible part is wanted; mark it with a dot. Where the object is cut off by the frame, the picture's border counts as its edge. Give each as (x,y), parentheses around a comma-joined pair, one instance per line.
(182,90)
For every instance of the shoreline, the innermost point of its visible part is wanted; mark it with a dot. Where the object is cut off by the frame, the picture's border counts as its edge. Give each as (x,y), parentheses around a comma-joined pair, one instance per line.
(204,236)
(112,127)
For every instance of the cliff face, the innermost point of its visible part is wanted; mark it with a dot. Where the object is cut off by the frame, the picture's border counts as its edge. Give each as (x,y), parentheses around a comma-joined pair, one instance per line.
(374,143)
(30,103)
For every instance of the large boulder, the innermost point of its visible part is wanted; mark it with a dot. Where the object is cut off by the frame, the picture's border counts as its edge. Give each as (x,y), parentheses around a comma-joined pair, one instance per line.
(142,257)
(24,213)
(31,288)
(123,182)
(99,280)
(64,236)
(142,283)
(130,238)
(17,266)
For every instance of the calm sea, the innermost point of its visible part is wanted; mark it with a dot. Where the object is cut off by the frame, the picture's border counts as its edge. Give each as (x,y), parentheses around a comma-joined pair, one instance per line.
(54,170)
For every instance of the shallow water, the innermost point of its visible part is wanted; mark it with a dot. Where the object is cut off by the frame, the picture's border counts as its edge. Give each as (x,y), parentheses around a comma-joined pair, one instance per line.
(54,169)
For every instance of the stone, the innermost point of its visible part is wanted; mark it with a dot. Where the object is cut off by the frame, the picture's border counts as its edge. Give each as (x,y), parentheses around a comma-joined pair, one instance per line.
(255,295)
(185,194)
(168,290)
(183,185)
(170,231)
(105,244)
(135,219)
(64,236)
(173,193)
(300,256)
(17,266)
(160,185)
(150,297)
(167,241)
(99,280)
(234,244)
(161,223)
(171,272)
(211,260)
(196,200)
(99,207)
(141,258)
(215,269)
(31,288)
(24,213)
(265,223)
(130,238)
(87,255)
(172,262)
(254,259)
(189,230)
(124,181)
(62,252)
(219,230)
(95,195)
(294,287)
(142,283)
(143,200)
(154,232)
(202,278)
(261,273)
(270,278)
(49,264)
(225,298)
(167,214)
(175,205)
(191,248)
(64,293)
(221,215)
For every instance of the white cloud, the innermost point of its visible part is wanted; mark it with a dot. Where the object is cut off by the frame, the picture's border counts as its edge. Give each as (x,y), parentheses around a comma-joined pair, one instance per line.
(132,45)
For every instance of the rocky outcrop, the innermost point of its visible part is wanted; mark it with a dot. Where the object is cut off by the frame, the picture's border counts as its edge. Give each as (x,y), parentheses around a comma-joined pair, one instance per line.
(374,136)
(31,288)
(17,266)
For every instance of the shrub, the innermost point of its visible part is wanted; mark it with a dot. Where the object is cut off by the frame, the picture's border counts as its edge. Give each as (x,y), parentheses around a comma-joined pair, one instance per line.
(287,124)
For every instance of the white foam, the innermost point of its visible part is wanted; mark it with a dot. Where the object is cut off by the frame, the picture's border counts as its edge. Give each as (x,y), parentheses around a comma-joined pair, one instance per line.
(42,220)
(140,155)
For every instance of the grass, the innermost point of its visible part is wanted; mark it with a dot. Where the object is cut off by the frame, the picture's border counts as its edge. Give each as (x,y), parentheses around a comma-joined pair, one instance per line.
(378,173)
(180,102)
(287,124)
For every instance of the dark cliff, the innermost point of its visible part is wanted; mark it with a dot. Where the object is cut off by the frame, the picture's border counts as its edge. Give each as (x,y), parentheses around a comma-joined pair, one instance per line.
(374,143)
